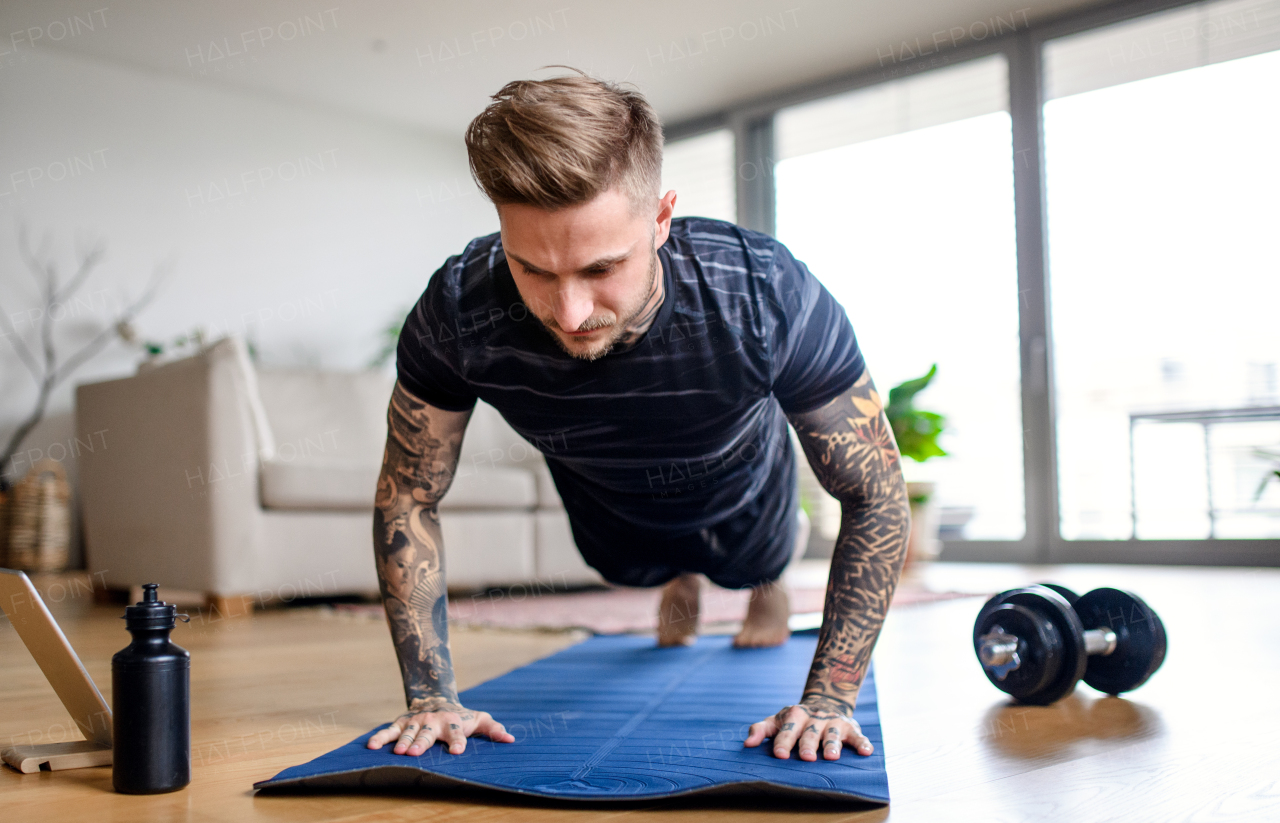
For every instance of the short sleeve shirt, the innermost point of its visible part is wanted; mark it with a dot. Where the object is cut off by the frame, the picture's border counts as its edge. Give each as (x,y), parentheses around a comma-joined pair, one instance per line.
(682,429)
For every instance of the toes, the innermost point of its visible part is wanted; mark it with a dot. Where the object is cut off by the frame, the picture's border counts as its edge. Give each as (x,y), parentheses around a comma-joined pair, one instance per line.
(751,638)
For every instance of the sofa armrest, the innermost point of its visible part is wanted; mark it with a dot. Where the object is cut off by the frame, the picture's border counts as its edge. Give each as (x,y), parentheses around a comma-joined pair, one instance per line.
(170,491)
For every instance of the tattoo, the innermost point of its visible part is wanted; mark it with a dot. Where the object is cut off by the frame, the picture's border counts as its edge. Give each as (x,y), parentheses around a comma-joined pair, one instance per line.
(786,727)
(422,705)
(417,468)
(811,728)
(826,708)
(851,448)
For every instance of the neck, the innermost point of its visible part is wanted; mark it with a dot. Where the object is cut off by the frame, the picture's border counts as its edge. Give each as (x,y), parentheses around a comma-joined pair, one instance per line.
(643,319)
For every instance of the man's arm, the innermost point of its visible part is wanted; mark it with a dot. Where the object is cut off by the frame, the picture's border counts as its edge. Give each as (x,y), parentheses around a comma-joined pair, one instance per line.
(851,448)
(417,467)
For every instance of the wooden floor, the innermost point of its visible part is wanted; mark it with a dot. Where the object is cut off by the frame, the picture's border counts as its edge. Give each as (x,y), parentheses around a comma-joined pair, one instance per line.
(1197,743)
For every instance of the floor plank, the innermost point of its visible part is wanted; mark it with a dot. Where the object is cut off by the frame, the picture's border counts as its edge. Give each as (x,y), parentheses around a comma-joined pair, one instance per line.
(1196,743)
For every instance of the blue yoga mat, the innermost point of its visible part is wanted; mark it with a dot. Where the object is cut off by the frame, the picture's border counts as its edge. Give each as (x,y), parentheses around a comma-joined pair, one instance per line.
(615,718)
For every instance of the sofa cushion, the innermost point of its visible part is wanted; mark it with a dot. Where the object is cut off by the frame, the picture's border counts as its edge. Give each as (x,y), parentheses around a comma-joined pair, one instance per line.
(337,485)
(334,485)
(327,417)
(492,488)
(330,429)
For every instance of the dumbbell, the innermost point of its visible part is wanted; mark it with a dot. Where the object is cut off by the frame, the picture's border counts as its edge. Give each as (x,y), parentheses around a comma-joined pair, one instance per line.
(1036,643)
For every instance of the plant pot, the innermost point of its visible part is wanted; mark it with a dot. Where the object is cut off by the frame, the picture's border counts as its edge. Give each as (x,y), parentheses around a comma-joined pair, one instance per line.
(923,544)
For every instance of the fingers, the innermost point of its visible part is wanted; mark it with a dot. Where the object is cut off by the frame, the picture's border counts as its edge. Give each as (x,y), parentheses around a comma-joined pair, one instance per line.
(858,742)
(415,744)
(414,734)
(794,721)
(454,738)
(492,729)
(795,728)
(388,734)
(839,733)
(759,731)
(832,742)
(808,742)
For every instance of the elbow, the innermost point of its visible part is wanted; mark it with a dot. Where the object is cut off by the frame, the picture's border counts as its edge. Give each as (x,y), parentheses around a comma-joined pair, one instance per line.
(880,510)
(886,491)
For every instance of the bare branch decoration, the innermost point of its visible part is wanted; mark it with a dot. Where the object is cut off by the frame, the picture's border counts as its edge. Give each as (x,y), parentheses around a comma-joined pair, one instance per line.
(46,368)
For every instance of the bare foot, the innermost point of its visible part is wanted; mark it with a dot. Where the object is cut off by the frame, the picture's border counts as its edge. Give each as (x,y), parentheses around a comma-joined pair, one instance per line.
(767,613)
(678,613)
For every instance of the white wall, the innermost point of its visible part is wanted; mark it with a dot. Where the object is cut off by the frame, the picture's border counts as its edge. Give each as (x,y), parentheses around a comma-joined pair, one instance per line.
(305,228)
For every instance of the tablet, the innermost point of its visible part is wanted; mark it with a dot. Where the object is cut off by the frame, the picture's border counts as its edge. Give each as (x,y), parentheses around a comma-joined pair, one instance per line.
(29,616)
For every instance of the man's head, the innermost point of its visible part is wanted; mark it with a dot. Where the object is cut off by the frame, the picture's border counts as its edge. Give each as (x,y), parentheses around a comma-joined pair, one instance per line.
(573,165)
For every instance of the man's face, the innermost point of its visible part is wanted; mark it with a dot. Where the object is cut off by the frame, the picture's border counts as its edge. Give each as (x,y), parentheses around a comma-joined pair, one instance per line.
(586,271)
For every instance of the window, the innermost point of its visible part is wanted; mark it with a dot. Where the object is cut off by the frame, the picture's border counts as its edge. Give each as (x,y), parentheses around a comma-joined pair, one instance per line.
(899,198)
(1161,140)
(700,169)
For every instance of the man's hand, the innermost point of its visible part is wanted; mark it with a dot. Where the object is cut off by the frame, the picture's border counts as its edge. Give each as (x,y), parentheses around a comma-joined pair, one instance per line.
(418,729)
(811,724)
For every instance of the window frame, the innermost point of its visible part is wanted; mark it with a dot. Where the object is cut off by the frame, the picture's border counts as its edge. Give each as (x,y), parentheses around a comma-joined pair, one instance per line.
(752,127)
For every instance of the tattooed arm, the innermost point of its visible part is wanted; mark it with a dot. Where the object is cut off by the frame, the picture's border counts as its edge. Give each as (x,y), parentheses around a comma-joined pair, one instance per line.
(852,451)
(417,468)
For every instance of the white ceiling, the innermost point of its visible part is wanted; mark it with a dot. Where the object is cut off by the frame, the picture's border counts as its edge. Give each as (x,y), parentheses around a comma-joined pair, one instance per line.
(431,64)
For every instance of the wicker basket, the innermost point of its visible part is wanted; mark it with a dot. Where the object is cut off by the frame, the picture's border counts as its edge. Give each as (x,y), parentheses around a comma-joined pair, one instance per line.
(40,519)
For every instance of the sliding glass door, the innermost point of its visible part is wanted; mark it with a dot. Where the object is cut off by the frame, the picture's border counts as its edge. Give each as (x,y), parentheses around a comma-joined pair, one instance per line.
(1162,140)
(899,198)
(1077,223)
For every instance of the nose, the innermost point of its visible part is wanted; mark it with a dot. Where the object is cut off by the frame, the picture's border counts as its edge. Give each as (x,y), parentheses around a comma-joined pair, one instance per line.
(573,305)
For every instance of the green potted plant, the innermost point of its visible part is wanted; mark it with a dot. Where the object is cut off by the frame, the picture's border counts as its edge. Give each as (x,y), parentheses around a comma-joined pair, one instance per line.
(1272,473)
(390,336)
(917,434)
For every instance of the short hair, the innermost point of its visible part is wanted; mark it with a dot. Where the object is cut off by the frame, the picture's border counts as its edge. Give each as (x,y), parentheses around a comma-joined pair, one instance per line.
(563,141)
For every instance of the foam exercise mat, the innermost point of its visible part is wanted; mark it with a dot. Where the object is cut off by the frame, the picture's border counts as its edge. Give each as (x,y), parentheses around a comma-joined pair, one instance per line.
(615,718)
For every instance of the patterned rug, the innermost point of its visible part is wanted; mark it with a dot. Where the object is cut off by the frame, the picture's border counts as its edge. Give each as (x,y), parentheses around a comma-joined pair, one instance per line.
(620,611)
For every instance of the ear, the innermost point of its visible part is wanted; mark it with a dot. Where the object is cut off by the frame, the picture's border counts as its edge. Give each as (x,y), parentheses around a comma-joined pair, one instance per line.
(666,208)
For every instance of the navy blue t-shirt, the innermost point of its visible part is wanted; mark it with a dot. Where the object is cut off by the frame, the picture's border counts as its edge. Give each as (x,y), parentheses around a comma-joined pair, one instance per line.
(675,434)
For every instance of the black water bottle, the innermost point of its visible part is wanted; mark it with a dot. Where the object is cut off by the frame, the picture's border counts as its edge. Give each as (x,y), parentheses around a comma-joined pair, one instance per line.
(151,703)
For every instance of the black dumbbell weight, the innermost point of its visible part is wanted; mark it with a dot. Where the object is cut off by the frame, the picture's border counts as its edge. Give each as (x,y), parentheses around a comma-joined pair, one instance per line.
(1068,595)
(1036,667)
(1140,641)
(1110,639)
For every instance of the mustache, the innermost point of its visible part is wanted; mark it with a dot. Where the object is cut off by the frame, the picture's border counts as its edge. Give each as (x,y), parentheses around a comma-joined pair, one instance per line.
(590,324)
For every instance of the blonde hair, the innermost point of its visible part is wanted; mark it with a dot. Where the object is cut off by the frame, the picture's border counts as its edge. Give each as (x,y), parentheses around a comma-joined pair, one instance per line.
(560,142)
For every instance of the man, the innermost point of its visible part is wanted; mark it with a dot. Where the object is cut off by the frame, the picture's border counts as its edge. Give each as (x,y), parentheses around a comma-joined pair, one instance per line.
(666,357)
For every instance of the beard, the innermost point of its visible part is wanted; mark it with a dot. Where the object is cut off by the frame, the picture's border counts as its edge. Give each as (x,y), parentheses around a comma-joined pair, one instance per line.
(617,328)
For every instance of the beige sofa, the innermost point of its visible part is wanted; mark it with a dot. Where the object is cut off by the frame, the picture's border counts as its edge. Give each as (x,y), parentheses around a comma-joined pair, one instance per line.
(220,478)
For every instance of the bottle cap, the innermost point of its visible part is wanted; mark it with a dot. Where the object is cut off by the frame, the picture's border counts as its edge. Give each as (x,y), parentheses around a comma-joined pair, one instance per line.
(150,612)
